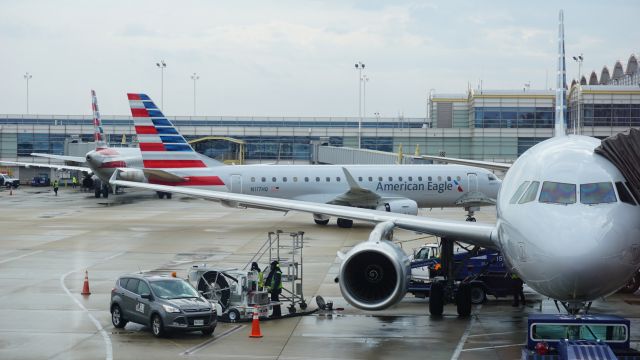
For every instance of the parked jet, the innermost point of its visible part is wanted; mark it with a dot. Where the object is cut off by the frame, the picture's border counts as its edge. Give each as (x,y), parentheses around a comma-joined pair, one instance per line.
(169,160)
(567,225)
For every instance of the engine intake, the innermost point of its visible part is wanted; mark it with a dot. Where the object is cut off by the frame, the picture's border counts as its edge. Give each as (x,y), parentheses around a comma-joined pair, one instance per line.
(374,275)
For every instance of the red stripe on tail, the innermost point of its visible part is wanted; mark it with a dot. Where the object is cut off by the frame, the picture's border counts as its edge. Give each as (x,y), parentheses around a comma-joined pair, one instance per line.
(146,129)
(173,164)
(139,112)
(151,147)
(133,96)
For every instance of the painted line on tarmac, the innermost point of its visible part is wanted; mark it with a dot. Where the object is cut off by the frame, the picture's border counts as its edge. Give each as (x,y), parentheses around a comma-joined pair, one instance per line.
(195,349)
(494,347)
(20,256)
(105,336)
(463,339)
(496,333)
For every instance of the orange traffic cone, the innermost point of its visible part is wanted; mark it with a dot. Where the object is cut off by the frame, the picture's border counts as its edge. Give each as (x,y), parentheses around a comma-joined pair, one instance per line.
(85,287)
(255,325)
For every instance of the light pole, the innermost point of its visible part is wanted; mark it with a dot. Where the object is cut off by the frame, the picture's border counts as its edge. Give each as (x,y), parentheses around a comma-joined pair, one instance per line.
(365,80)
(161,65)
(359,67)
(27,77)
(194,77)
(576,123)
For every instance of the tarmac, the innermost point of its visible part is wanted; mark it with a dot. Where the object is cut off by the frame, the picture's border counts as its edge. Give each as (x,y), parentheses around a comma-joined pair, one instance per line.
(47,243)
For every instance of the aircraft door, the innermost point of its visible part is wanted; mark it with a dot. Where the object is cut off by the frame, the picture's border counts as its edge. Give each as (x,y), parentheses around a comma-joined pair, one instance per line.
(472,182)
(236,184)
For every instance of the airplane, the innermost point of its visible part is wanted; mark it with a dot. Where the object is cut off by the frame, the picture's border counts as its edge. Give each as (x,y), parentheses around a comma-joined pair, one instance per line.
(567,225)
(169,160)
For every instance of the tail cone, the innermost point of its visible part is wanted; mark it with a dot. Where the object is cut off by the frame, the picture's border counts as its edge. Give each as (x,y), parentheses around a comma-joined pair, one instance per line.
(85,287)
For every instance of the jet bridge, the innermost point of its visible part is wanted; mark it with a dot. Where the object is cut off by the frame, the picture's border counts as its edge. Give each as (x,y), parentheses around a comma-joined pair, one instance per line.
(623,150)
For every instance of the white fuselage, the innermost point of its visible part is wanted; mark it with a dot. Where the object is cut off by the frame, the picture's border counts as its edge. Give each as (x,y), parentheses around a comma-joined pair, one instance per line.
(568,250)
(427,185)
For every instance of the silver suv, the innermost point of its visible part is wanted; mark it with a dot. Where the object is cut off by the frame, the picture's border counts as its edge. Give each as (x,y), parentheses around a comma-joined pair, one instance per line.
(161,302)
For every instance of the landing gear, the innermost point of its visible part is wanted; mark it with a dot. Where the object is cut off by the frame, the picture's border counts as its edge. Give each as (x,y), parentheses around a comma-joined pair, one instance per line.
(443,292)
(321,219)
(470,212)
(345,223)
(321,222)
(471,219)
(436,299)
(162,194)
(100,188)
(463,300)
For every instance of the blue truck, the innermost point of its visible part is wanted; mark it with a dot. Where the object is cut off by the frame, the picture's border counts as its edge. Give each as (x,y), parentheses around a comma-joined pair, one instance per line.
(567,337)
(484,270)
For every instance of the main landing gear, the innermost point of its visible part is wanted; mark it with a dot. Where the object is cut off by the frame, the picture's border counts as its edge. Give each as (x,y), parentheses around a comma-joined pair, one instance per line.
(345,223)
(162,194)
(445,291)
(470,213)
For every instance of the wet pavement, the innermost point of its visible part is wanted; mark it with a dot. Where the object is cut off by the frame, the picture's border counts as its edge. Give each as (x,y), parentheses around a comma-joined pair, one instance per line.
(47,242)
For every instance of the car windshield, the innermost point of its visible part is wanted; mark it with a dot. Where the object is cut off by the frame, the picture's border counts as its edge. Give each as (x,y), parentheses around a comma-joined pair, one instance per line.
(173,289)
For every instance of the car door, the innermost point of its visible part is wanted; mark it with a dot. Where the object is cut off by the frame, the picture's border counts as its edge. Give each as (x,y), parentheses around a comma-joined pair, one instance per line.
(143,306)
(130,300)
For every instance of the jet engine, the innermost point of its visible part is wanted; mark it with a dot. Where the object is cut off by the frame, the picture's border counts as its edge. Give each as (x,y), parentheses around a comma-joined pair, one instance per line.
(399,206)
(131,175)
(375,274)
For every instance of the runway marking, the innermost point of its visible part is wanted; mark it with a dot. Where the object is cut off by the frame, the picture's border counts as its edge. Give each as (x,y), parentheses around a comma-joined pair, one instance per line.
(497,333)
(20,256)
(465,335)
(105,336)
(494,347)
(195,349)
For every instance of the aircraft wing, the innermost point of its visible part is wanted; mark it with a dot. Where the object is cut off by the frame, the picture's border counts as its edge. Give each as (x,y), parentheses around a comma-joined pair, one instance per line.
(469,232)
(49,166)
(77,159)
(478,163)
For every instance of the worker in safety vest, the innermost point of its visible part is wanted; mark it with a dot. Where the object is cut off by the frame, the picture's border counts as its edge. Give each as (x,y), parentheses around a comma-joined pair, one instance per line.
(518,291)
(274,286)
(55,186)
(255,267)
(74,182)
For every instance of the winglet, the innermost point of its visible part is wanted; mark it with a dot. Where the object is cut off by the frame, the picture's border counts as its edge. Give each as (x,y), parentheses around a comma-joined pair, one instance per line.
(561,81)
(353,185)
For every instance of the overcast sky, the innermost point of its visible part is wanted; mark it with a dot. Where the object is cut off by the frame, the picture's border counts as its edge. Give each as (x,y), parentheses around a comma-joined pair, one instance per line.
(293,57)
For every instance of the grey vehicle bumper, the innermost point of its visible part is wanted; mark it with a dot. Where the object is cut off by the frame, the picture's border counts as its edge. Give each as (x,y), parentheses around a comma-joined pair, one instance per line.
(188,321)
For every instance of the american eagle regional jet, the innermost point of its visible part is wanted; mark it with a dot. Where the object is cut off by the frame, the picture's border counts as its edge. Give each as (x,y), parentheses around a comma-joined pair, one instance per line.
(567,223)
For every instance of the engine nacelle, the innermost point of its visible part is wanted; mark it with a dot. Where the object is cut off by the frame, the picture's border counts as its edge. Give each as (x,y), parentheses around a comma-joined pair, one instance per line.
(374,275)
(131,175)
(399,206)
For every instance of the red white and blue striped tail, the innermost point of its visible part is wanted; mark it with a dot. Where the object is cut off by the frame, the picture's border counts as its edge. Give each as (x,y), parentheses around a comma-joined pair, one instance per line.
(98,130)
(161,144)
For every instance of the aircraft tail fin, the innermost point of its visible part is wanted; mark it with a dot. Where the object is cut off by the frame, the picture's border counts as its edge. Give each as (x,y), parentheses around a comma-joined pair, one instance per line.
(98,130)
(161,145)
(561,82)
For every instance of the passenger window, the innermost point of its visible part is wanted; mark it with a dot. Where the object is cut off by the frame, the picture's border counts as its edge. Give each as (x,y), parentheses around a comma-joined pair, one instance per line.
(317,179)
(284,179)
(359,178)
(448,178)
(253,179)
(338,179)
(624,194)
(531,193)
(597,193)
(410,178)
(132,285)
(390,178)
(143,288)
(459,178)
(419,178)
(123,282)
(264,179)
(273,179)
(306,179)
(399,178)
(518,193)
(439,178)
(370,178)
(328,179)
(430,179)
(379,178)
(558,193)
(295,179)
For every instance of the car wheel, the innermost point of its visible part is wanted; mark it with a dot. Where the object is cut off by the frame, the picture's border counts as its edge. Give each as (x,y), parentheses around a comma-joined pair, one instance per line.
(233,315)
(157,328)
(116,317)
(208,331)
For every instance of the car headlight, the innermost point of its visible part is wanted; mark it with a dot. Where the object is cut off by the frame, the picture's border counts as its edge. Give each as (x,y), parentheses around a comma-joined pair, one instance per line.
(171,309)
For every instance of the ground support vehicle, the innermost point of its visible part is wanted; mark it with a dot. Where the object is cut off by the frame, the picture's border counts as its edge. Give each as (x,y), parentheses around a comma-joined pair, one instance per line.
(235,293)
(41,180)
(565,337)
(7,181)
(483,270)
(161,302)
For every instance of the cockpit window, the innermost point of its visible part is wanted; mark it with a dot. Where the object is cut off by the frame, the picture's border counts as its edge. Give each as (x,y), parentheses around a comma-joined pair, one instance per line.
(492,177)
(519,192)
(558,193)
(531,193)
(624,194)
(597,193)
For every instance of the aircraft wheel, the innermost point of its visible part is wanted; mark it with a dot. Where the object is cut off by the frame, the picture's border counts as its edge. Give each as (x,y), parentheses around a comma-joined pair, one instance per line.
(478,295)
(105,192)
(168,195)
(97,193)
(321,222)
(345,223)
(160,194)
(471,219)
(436,299)
(463,300)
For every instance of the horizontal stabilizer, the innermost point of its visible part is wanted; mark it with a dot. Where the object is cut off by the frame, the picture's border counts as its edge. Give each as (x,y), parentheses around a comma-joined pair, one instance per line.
(48,166)
(76,159)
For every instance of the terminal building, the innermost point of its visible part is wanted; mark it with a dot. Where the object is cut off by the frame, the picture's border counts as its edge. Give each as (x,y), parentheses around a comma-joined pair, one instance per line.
(495,125)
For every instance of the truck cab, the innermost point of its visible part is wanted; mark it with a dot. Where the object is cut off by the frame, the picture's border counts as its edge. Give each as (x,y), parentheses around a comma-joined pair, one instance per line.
(8,181)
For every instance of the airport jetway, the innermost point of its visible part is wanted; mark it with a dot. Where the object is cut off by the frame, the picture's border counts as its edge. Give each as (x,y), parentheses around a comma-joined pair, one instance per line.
(322,154)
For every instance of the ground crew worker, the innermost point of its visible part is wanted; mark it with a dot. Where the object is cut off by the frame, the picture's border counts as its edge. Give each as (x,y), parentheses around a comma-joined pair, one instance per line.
(255,267)
(274,286)
(74,182)
(55,186)
(518,291)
